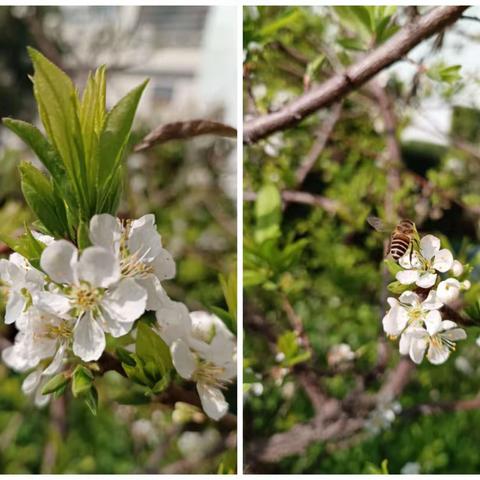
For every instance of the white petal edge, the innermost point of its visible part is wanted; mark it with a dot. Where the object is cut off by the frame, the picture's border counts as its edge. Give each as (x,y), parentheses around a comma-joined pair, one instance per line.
(58,261)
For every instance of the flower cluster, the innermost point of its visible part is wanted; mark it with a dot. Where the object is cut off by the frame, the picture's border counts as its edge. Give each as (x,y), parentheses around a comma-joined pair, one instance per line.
(416,316)
(64,309)
(203,350)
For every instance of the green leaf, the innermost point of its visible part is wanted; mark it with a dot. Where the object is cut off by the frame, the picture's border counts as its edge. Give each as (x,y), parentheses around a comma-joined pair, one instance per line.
(42,148)
(392,266)
(301,357)
(229,288)
(58,107)
(91,400)
(41,198)
(149,346)
(114,137)
(442,73)
(125,356)
(82,380)
(55,383)
(288,18)
(83,237)
(287,344)
(364,15)
(314,66)
(398,288)
(267,213)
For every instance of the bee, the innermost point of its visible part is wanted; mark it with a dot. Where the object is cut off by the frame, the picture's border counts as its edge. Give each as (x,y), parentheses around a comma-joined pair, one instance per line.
(402,239)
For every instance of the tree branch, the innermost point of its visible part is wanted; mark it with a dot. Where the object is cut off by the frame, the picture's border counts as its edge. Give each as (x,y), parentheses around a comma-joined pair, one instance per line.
(329,205)
(356,75)
(184,130)
(322,137)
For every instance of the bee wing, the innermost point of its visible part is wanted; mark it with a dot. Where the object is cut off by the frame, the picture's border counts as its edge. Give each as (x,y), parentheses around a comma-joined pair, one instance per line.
(377,224)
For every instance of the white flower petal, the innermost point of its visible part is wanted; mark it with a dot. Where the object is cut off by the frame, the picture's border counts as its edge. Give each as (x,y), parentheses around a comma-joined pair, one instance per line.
(448,324)
(88,339)
(173,322)
(409,298)
(438,354)
(457,268)
(156,295)
(113,327)
(14,308)
(164,265)
(404,344)
(448,290)
(53,303)
(144,239)
(58,260)
(213,401)
(395,321)
(106,232)
(126,302)
(406,277)
(443,261)
(429,246)
(183,359)
(57,361)
(45,239)
(31,382)
(427,280)
(16,357)
(99,267)
(417,349)
(455,334)
(433,322)
(432,302)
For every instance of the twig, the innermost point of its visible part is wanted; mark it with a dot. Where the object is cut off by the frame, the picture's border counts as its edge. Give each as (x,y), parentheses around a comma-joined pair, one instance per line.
(329,205)
(183,130)
(321,140)
(356,75)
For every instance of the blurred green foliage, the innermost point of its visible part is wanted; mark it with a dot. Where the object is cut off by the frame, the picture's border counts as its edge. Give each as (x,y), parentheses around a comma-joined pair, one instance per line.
(327,261)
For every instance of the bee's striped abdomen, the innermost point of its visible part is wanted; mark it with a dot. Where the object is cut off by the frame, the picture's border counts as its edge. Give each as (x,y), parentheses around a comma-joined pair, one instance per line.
(399,245)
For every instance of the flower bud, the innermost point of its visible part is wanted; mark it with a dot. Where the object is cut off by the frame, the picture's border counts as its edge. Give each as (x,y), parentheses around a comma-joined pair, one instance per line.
(457,268)
(448,290)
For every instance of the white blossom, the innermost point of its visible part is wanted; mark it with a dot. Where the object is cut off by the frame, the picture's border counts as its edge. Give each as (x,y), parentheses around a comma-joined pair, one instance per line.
(448,290)
(21,281)
(421,267)
(457,268)
(203,350)
(90,290)
(408,310)
(138,246)
(437,339)
(41,336)
(340,353)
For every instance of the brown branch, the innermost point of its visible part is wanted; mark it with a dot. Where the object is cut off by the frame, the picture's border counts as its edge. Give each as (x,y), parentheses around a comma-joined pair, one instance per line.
(321,140)
(296,440)
(442,407)
(329,205)
(184,130)
(397,380)
(356,75)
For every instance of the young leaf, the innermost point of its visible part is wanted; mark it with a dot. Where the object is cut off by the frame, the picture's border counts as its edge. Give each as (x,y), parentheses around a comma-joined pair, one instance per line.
(150,347)
(229,288)
(58,106)
(41,198)
(267,213)
(55,383)
(82,380)
(91,400)
(115,135)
